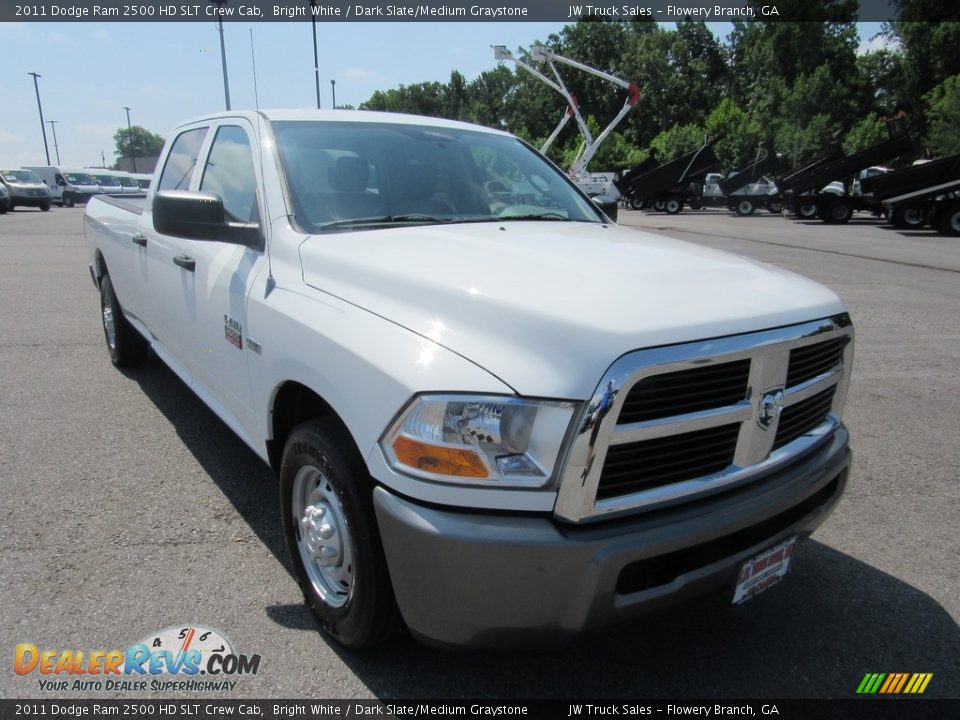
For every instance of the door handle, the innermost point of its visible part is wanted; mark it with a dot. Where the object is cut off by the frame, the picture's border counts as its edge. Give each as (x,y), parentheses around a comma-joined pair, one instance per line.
(139,239)
(186,262)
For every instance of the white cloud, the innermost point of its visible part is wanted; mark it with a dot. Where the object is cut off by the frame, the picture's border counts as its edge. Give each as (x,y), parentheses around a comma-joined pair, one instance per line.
(359,74)
(97,129)
(877,42)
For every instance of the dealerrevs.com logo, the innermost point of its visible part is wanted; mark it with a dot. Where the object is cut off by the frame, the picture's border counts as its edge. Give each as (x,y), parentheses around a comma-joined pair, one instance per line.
(181,657)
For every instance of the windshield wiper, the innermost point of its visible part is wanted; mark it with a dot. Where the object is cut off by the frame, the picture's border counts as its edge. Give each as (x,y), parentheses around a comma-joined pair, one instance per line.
(536,216)
(385,220)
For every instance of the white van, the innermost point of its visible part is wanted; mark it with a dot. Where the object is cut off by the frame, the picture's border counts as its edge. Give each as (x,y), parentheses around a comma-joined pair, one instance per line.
(106,179)
(128,183)
(143,180)
(67,187)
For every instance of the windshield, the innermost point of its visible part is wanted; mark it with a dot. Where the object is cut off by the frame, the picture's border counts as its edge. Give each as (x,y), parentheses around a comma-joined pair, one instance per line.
(348,175)
(109,180)
(20,176)
(80,179)
(144,183)
(128,182)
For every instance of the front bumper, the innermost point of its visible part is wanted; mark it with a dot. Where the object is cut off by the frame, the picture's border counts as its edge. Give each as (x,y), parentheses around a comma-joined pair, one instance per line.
(494,580)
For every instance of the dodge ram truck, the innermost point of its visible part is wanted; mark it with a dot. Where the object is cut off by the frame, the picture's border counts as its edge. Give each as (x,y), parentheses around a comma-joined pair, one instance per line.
(496,418)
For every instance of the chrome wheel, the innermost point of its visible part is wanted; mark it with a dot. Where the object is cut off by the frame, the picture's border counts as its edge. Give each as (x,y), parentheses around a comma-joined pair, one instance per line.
(323,536)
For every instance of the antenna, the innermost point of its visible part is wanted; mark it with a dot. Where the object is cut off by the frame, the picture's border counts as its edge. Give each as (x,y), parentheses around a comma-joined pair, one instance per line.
(253,60)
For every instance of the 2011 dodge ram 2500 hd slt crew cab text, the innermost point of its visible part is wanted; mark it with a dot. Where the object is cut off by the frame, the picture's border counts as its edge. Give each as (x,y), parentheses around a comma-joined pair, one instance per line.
(496,417)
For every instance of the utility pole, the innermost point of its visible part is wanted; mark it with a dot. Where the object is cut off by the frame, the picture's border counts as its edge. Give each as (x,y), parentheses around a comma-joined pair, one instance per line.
(333,88)
(43,128)
(133,150)
(52,124)
(223,53)
(316,61)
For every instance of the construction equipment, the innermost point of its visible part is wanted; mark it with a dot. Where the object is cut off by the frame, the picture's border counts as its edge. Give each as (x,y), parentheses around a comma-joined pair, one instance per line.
(920,194)
(671,185)
(602,189)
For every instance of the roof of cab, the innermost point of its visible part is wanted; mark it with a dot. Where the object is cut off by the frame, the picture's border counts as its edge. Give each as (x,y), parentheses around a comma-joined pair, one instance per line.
(358,116)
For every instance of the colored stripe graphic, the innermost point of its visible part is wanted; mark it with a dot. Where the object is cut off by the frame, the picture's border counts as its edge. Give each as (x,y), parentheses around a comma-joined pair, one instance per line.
(894,683)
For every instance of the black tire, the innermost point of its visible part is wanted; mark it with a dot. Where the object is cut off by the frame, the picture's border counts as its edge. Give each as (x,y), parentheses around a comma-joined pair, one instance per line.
(907,217)
(745,207)
(68,200)
(636,204)
(126,346)
(696,204)
(948,220)
(838,212)
(326,500)
(775,208)
(12,206)
(807,211)
(659,205)
(45,207)
(673,205)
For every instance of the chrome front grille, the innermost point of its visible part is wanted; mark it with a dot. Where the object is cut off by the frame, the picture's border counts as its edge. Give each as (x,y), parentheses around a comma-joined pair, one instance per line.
(673,423)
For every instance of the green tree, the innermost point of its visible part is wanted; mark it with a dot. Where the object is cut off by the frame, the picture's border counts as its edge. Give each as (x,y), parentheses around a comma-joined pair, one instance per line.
(137,142)
(736,135)
(866,133)
(677,141)
(943,135)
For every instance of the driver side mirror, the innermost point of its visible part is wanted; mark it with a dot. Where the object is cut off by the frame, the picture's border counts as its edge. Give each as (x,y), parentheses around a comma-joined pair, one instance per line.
(201,216)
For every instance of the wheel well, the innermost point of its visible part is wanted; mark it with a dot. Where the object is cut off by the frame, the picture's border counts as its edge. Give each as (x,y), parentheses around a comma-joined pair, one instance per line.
(294,404)
(101,266)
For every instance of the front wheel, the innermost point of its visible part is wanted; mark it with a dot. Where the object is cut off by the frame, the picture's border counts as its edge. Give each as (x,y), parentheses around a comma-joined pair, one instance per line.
(636,204)
(745,207)
(807,211)
(68,200)
(838,212)
(45,206)
(333,539)
(126,346)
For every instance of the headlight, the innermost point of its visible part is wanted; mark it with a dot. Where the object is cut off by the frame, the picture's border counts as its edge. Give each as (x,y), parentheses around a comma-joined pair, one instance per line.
(480,440)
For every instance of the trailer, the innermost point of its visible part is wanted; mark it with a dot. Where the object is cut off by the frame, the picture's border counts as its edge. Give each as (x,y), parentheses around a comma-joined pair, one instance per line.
(920,194)
(806,188)
(747,190)
(673,184)
(785,183)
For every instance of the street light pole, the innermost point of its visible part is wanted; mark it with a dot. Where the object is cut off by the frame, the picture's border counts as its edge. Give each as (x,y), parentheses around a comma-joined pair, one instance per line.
(333,88)
(43,128)
(53,127)
(223,53)
(316,61)
(133,150)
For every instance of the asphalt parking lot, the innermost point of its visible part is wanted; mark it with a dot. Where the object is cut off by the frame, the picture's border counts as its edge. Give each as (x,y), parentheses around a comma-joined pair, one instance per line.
(129,507)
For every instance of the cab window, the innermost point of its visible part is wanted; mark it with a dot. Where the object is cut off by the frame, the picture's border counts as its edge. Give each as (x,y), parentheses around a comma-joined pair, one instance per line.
(230,173)
(182,158)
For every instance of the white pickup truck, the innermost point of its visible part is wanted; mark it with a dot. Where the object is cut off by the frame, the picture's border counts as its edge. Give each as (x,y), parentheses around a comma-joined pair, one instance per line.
(496,418)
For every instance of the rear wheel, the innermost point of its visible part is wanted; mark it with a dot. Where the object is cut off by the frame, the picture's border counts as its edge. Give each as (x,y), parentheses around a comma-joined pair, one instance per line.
(673,205)
(126,346)
(45,206)
(775,207)
(745,207)
(948,220)
(807,211)
(659,205)
(905,217)
(68,200)
(332,536)
(636,204)
(838,212)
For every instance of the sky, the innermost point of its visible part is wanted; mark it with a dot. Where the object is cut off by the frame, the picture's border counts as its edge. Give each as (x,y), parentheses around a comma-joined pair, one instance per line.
(170,72)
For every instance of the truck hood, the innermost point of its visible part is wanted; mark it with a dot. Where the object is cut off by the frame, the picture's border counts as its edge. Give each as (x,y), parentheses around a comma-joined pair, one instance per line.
(548,306)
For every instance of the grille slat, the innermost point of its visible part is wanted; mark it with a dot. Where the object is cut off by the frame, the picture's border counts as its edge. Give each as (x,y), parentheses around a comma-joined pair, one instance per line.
(683,457)
(803,417)
(811,360)
(686,391)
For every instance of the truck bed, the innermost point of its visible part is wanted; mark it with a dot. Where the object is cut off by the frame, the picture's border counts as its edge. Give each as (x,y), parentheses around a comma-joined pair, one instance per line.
(129,202)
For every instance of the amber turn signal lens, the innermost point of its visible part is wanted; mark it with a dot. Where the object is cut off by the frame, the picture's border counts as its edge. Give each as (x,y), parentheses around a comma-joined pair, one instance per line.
(439,460)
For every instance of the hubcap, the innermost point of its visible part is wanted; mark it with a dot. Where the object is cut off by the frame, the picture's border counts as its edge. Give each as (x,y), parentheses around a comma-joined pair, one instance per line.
(110,326)
(955,222)
(808,210)
(323,536)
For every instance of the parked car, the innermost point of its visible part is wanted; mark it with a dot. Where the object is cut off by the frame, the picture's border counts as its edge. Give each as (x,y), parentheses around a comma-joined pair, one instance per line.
(4,199)
(26,189)
(108,181)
